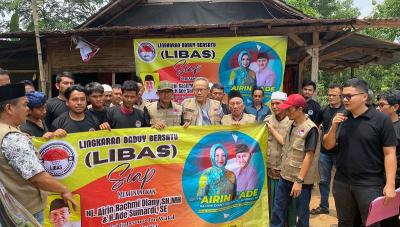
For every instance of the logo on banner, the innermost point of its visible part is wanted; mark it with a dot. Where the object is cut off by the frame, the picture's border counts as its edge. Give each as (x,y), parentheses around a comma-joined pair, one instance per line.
(59,159)
(146,51)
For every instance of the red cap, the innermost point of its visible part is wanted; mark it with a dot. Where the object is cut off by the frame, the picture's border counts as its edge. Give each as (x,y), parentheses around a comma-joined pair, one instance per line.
(293,100)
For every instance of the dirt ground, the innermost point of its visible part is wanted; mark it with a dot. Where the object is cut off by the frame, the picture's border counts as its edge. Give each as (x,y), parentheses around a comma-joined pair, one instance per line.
(322,220)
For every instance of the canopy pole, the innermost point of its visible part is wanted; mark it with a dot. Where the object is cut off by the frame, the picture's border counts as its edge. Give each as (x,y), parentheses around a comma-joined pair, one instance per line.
(42,84)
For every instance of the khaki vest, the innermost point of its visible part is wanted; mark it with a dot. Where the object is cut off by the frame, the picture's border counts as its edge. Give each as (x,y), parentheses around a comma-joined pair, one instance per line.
(274,150)
(294,154)
(191,111)
(246,119)
(171,116)
(25,192)
(142,105)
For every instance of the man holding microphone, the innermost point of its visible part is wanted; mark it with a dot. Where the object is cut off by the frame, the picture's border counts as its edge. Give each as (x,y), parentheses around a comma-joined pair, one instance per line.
(366,154)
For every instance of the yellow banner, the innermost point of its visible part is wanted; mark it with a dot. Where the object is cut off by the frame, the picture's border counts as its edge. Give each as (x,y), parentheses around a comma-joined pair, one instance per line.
(200,176)
(238,63)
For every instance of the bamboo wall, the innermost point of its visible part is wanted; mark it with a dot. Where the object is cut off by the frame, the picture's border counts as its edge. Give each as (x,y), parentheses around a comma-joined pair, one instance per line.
(115,55)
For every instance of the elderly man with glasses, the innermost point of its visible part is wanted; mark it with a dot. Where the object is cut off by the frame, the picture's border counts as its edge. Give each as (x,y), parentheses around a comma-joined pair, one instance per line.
(201,110)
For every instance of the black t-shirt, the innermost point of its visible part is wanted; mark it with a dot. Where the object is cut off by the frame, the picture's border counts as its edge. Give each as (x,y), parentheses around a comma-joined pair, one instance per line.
(225,109)
(360,157)
(313,110)
(55,107)
(117,119)
(327,115)
(396,126)
(33,129)
(99,116)
(71,126)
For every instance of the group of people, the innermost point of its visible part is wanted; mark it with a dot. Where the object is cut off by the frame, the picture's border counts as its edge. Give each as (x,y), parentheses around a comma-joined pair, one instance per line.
(350,133)
(305,141)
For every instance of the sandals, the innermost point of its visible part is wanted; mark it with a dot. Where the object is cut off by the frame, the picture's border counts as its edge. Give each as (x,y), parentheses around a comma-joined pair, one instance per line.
(319,210)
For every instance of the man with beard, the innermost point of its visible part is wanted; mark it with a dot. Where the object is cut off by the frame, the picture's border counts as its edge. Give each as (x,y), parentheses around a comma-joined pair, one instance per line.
(313,109)
(116,97)
(236,107)
(107,95)
(76,119)
(21,172)
(278,124)
(126,116)
(95,95)
(164,112)
(56,106)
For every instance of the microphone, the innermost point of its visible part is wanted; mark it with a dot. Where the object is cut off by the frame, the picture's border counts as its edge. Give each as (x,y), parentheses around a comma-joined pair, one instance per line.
(345,113)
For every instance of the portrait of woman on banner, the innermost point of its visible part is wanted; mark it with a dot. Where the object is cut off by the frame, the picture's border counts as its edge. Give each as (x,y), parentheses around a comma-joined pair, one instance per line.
(243,75)
(217,180)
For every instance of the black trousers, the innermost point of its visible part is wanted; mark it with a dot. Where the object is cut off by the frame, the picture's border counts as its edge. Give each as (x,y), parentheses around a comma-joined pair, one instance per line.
(352,202)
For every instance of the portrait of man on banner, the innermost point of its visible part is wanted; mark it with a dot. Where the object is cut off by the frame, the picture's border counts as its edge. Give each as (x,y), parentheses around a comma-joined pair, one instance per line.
(246,174)
(150,82)
(60,214)
(266,77)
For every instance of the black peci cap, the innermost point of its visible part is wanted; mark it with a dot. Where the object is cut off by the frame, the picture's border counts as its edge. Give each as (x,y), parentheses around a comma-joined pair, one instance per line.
(11,91)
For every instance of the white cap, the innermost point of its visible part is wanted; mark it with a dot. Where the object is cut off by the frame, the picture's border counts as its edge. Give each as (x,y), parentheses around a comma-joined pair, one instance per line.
(278,95)
(107,87)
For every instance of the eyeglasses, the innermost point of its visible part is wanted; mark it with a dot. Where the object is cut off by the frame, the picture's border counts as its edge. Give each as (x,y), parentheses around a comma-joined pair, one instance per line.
(349,96)
(196,90)
(381,105)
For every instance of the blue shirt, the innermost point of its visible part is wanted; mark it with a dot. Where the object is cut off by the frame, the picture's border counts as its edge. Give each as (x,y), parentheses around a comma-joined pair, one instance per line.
(260,114)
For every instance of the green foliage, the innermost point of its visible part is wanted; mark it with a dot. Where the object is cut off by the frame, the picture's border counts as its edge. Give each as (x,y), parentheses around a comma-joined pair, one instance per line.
(53,14)
(14,23)
(380,78)
(304,6)
(387,9)
(333,9)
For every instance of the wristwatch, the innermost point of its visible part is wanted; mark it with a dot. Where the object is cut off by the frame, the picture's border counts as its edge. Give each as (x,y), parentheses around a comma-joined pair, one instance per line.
(299,181)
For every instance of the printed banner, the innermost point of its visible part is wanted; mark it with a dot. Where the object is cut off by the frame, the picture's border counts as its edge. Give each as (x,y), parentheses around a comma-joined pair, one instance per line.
(199,176)
(238,63)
